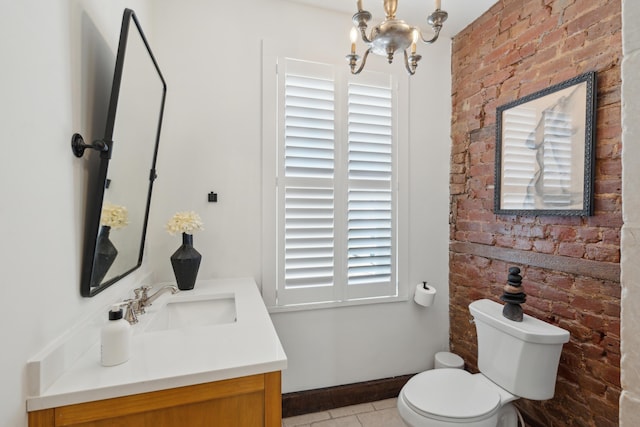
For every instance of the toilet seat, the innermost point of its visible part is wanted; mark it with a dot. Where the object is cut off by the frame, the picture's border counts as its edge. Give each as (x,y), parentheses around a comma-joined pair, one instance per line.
(451,394)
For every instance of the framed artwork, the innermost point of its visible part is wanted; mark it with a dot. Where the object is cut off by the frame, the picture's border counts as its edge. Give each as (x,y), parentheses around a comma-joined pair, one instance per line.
(545,144)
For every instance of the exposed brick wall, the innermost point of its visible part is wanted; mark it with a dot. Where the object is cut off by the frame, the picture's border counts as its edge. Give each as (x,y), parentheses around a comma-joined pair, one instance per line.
(519,47)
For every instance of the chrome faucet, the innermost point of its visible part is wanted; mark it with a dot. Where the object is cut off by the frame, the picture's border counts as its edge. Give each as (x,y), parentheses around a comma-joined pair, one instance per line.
(130,311)
(143,299)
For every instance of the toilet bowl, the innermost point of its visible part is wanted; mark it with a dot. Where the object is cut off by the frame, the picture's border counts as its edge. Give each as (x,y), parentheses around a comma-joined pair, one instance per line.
(515,359)
(453,397)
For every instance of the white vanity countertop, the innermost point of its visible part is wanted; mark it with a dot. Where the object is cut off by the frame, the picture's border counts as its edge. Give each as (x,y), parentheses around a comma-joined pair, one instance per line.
(178,357)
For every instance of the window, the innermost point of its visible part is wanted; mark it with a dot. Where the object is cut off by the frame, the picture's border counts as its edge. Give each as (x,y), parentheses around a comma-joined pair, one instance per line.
(336,187)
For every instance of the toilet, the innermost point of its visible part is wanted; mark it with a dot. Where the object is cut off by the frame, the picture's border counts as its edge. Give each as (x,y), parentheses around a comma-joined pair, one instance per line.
(515,359)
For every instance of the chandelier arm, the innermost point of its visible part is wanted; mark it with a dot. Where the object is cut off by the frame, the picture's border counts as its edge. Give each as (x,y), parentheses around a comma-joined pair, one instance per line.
(363,34)
(435,37)
(360,19)
(362,64)
(436,19)
(410,69)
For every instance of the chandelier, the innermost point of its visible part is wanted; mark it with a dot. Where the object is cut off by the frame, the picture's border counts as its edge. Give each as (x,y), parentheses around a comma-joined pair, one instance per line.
(391,35)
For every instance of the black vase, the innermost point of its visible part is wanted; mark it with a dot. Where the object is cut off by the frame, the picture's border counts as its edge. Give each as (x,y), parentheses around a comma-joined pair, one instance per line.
(106,253)
(186,262)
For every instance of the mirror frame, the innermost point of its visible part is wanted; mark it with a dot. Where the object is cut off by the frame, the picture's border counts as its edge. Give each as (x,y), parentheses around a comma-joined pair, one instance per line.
(545,100)
(95,198)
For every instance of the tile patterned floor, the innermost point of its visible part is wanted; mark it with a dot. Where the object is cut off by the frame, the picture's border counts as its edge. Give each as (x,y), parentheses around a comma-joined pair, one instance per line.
(376,414)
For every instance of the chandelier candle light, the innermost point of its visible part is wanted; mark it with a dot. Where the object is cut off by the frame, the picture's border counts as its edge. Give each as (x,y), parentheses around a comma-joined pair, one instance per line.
(391,35)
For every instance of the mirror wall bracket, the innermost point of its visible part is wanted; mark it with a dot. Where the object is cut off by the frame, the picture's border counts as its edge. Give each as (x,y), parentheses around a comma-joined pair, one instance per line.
(78,145)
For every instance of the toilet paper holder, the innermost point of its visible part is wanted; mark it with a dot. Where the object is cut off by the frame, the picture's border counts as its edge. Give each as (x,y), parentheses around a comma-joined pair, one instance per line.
(424,294)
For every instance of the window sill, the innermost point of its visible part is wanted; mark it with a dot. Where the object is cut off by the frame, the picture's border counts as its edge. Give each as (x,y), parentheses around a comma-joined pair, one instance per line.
(335,304)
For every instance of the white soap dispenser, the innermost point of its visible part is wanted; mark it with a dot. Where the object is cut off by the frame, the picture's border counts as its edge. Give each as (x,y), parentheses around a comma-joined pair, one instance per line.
(115,339)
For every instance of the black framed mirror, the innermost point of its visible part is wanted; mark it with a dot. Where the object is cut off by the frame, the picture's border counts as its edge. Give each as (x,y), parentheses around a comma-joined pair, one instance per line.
(118,201)
(545,148)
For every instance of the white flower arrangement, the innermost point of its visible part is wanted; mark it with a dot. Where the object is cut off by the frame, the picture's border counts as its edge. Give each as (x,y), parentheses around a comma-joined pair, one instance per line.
(114,216)
(184,222)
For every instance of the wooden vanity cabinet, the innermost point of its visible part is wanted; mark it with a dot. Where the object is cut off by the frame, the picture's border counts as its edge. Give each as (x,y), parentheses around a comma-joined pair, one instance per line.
(252,401)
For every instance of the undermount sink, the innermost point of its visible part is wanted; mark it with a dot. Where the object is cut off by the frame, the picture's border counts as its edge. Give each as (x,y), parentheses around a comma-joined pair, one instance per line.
(194,311)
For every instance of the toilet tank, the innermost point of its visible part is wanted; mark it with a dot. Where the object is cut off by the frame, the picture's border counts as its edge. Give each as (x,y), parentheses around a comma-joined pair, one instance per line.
(521,357)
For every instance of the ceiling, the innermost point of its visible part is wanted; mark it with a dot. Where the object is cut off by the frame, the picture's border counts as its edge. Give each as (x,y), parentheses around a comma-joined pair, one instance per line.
(415,12)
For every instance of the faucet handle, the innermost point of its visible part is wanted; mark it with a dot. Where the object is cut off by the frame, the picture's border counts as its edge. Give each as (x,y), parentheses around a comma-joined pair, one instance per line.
(130,311)
(141,292)
(140,298)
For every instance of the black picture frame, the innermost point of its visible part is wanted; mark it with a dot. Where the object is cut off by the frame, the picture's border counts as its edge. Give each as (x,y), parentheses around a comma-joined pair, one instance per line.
(545,151)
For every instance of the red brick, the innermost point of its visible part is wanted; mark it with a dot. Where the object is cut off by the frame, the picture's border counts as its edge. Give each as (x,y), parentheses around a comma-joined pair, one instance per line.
(588,52)
(604,253)
(612,395)
(480,237)
(563,233)
(497,77)
(563,310)
(595,322)
(604,28)
(587,286)
(457,189)
(588,235)
(544,246)
(469,226)
(574,250)
(517,48)
(559,280)
(585,21)
(592,385)
(610,168)
(457,179)
(613,327)
(481,215)
(505,241)
(508,21)
(606,220)
(590,304)
(458,169)
(550,293)
(608,203)
(573,42)
(604,371)
(612,309)
(577,331)
(522,244)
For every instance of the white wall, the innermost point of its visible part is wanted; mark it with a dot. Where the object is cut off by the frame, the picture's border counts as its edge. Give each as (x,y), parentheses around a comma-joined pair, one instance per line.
(57,65)
(211,141)
(630,246)
(57,62)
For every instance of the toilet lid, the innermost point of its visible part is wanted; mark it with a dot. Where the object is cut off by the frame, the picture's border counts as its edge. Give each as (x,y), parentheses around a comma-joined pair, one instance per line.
(451,393)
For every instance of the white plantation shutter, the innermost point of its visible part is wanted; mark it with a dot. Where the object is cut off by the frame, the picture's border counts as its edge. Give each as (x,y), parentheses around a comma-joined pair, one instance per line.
(335,186)
(370,233)
(307,150)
